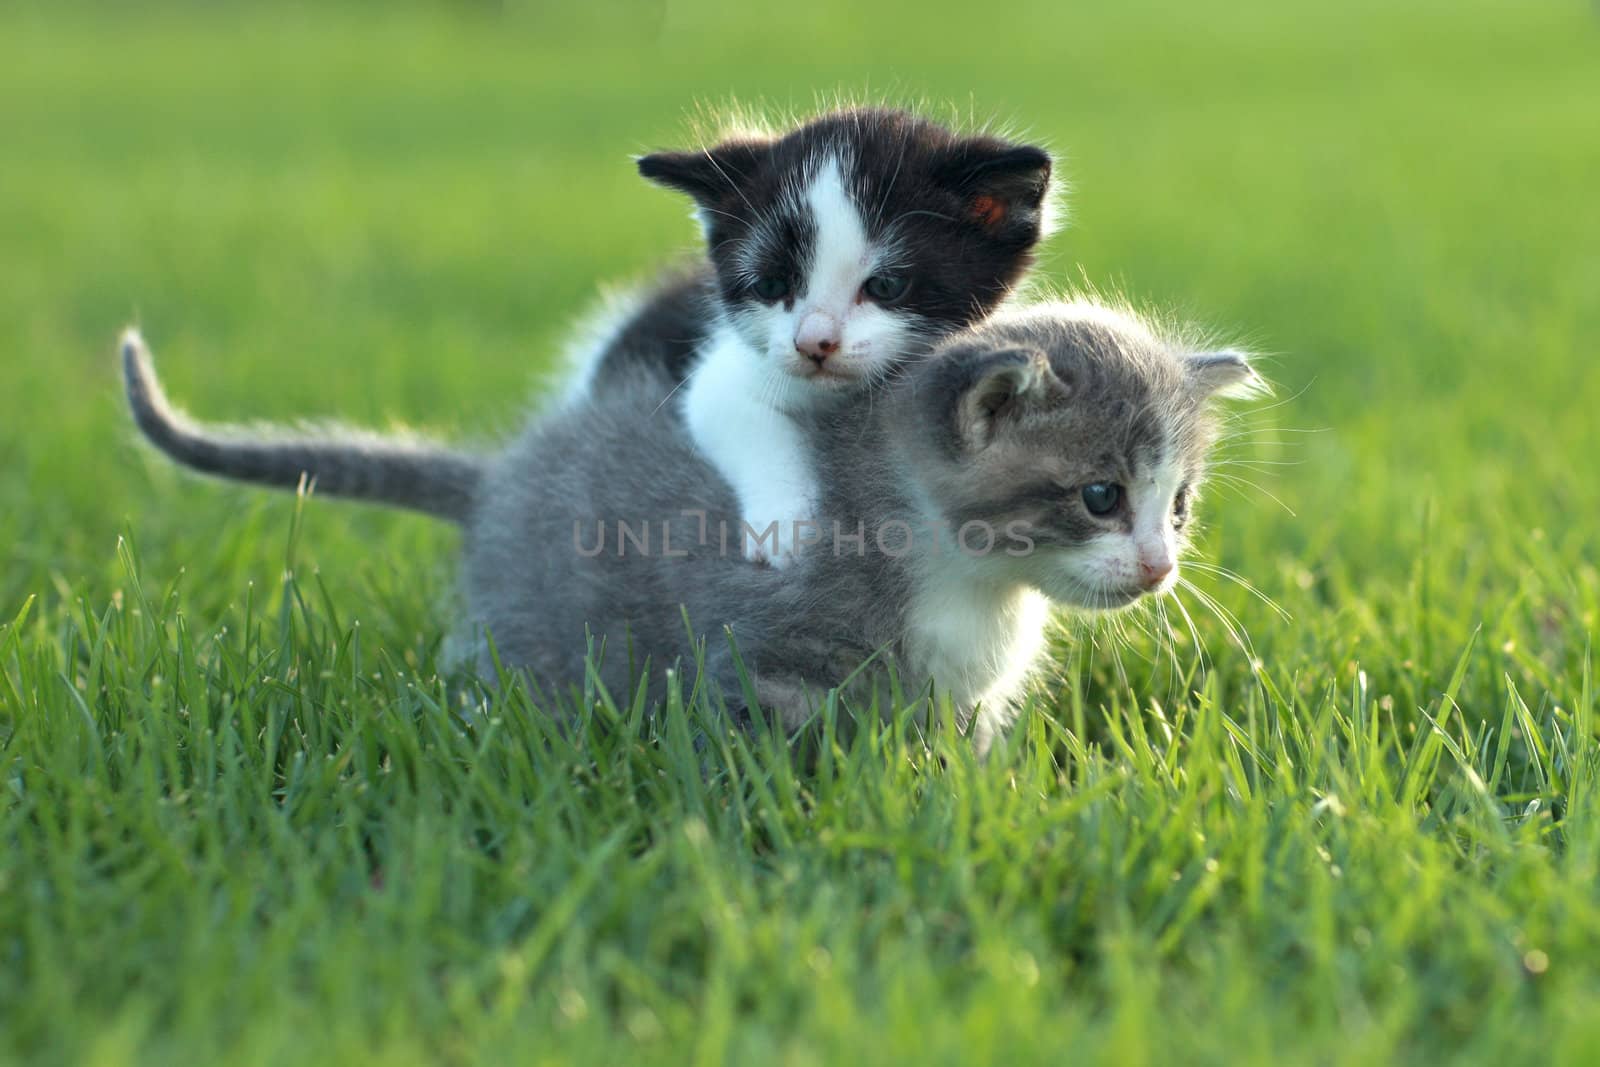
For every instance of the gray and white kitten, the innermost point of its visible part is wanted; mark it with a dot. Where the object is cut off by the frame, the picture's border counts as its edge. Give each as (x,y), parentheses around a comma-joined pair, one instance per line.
(1051,454)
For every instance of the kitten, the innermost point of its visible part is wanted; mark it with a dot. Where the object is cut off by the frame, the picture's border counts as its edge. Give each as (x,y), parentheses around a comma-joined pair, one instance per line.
(833,250)
(1052,453)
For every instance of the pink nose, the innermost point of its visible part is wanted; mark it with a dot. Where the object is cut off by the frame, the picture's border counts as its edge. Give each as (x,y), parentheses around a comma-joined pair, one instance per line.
(818,336)
(1154,573)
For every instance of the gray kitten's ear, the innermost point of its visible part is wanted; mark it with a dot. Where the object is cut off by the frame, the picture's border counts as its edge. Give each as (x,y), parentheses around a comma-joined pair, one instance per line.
(707,174)
(1225,372)
(1001,386)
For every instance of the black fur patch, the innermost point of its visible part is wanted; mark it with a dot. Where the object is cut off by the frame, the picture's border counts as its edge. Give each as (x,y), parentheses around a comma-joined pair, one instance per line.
(665,331)
(963,214)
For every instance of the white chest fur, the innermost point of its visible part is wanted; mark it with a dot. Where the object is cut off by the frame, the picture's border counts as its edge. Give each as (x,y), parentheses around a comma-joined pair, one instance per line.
(977,640)
(737,425)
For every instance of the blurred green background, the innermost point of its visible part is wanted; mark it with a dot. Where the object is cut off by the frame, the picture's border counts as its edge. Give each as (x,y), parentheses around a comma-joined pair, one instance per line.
(396,212)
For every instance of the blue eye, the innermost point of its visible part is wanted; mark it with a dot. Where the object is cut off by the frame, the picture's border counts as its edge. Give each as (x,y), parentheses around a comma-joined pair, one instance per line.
(1101,498)
(886,288)
(771,287)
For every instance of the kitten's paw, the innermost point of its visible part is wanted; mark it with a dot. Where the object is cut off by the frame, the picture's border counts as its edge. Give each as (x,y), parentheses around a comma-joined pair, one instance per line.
(771,549)
(776,560)
(775,542)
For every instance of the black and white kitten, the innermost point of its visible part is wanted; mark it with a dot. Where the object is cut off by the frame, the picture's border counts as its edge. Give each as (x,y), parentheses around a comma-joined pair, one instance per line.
(834,250)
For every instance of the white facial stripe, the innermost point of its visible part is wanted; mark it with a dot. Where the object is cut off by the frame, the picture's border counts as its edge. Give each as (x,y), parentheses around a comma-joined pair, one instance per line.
(841,254)
(1110,564)
(1151,553)
(858,338)
(1151,498)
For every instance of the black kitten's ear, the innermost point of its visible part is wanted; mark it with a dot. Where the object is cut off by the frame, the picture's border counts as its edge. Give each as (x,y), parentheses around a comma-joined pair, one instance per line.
(1225,372)
(707,174)
(1002,386)
(1003,185)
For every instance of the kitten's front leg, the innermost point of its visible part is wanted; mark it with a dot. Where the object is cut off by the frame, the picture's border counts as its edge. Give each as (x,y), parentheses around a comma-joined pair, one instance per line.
(778,500)
(762,454)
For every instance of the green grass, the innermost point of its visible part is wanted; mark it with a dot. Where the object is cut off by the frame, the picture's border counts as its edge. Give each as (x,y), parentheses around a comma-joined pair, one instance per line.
(243,821)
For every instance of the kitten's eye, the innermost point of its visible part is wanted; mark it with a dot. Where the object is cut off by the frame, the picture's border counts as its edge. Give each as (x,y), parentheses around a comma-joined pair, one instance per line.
(1180,506)
(1101,498)
(886,288)
(771,287)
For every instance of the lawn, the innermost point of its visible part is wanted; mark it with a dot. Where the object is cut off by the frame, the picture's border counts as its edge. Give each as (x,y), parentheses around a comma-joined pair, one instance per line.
(245,816)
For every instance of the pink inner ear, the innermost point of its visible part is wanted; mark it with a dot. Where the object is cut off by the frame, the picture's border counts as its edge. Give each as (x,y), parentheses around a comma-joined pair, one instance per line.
(988,210)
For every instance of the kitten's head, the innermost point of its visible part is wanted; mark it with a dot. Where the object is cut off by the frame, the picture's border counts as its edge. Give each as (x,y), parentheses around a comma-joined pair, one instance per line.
(1077,430)
(842,244)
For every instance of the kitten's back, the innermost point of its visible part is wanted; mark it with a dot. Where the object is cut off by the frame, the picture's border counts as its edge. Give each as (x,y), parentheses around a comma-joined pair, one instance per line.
(547,561)
(651,333)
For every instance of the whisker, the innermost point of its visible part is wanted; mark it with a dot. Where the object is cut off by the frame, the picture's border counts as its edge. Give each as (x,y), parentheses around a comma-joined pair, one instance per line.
(915,213)
(726,214)
(1240,482)
(1255,464)
(674,390)
(1230,621)
(725,177)
(1256,412)
(1169,640)
(1251,431)
(1103,603)
(1194,631)
(898,163)
(1244,583)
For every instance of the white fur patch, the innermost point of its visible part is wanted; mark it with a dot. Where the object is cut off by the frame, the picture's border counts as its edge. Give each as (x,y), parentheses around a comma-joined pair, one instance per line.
(871,337)
(978,635)
(754,445)
(841,257)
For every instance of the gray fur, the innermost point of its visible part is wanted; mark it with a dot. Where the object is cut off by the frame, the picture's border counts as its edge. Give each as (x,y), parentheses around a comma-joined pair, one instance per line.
(386,469)
(620,455)
(1002,425)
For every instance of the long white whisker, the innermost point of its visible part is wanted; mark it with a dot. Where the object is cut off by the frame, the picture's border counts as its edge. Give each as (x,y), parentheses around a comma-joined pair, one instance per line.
(898,163)
(1254,464)
(1238,481)
(1230,622)
(1166,651)
(1257,412)
(1244,583)
(1194,631)
(727,214)
(736,187)
(674,390)
(1256,431)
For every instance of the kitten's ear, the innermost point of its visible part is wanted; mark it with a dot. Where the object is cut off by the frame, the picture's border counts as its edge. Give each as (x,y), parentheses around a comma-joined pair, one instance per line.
(1002,386)
(707,174)
(1002,185)
(1226,372)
